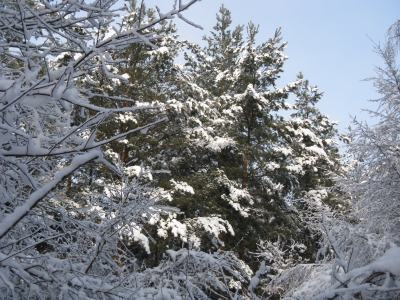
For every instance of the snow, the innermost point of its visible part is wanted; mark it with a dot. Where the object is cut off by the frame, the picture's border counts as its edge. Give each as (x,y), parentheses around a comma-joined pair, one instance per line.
(309,133)
(43,144)
(388,262)
(317,150)
(182,186)
(49,135)
(21,211)
(235,196)
(272,166)
(308,280)
(220,143)
(159,51)
(178,229)
(215,225)
(295,169)
(283,150)
(220,76)
(5,84)
(138,236)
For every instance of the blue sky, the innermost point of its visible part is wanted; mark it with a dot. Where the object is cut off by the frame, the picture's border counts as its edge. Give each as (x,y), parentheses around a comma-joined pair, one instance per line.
(330,41)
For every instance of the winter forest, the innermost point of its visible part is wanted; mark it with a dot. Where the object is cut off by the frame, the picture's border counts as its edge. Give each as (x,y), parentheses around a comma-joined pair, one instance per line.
(127,173)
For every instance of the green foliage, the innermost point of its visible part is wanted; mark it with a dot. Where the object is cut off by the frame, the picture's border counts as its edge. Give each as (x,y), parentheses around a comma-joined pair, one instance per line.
(233,160)
(260,162)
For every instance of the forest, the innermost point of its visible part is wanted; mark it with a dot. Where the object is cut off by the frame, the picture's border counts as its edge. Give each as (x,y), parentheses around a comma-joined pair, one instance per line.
(126,174)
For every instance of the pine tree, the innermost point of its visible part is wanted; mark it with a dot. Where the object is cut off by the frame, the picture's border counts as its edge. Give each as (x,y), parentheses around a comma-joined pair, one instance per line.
(244,160)
(153,78)
(235,164)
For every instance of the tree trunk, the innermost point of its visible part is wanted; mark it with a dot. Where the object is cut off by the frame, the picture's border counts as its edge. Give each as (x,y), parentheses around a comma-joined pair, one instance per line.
(246,153)
(241,251)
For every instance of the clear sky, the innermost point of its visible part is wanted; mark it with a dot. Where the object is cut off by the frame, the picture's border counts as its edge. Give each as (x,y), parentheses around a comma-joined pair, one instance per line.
(330,41)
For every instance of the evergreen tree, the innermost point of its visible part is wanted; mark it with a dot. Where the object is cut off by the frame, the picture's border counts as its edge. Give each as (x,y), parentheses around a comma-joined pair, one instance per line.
(153,79)
(236,165)
(244,160)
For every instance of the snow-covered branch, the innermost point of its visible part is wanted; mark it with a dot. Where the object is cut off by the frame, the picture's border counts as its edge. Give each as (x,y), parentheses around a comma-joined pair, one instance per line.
(55,244)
